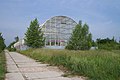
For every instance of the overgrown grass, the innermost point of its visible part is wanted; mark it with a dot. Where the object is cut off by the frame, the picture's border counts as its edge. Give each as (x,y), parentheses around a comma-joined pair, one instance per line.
(2,66)
(94,64)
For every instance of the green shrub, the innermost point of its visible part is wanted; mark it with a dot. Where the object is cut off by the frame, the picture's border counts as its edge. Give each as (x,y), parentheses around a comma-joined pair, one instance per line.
(11,49)
(108,44)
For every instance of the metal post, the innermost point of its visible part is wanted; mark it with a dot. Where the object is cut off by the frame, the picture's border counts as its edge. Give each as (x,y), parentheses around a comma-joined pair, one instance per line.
(50,33)
(45,34)
(55,31)
(60,32)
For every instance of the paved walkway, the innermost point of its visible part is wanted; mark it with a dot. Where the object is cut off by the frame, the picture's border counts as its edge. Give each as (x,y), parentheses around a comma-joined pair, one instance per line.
(20,67)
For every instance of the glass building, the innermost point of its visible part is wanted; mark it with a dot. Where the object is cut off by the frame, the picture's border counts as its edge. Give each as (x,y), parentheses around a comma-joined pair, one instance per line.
(57,30)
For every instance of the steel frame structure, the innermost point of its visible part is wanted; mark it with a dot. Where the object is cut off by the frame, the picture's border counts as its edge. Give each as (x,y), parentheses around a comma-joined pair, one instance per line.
(57,30)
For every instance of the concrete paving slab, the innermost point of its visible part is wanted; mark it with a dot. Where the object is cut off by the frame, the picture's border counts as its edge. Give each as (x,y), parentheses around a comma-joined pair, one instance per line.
(55,78)
(41,75)
(14,76)
(32,65)
(10,62)
(12,68)
(77,78)
(25,63)
(32,69)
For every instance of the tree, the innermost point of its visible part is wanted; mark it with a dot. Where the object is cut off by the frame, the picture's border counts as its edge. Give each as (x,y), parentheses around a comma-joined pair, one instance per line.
(11,45)
(2,44)
(16,39)
(34,36)
(94,44)
(80,39)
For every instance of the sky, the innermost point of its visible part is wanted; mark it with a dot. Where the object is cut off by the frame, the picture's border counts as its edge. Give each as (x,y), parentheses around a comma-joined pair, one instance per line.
(102,16)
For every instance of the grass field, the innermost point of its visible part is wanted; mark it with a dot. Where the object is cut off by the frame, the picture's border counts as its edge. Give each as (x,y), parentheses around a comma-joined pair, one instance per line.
(2,66)
(94,64)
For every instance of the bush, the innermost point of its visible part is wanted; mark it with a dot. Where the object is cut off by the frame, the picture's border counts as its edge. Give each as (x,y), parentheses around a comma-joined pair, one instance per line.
(108,44)
(11,49)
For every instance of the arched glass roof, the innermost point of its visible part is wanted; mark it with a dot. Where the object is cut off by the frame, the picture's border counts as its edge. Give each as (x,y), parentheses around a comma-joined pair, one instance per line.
(57,30)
